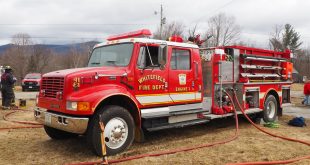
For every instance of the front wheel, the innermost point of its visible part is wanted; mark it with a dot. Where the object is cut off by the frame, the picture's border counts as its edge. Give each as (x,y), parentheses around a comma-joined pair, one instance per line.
(118,131)
(270,109)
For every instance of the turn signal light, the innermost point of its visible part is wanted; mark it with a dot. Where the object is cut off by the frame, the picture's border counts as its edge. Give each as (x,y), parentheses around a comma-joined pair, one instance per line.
(83,106)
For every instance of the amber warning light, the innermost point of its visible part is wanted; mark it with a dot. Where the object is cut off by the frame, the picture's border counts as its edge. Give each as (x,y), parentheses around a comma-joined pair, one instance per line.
(138,33)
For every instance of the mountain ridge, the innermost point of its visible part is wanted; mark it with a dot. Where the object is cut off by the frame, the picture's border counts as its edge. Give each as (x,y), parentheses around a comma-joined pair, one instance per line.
(61,49)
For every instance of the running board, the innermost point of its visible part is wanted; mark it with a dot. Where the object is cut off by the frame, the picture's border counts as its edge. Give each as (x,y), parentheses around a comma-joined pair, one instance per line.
(248,111)
(179,125)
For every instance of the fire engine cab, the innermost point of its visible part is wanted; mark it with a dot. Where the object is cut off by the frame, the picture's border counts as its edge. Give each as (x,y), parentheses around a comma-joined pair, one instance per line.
(135,84)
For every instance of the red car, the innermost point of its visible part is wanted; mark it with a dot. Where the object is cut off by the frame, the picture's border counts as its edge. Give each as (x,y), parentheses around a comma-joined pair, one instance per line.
(31,82)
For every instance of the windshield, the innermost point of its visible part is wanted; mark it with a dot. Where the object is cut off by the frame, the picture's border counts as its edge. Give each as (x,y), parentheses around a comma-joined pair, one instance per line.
(111,55)
(32,76)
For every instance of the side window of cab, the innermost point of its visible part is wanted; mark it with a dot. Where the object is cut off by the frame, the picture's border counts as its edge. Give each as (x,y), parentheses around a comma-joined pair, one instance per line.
(180,59)
(152,56)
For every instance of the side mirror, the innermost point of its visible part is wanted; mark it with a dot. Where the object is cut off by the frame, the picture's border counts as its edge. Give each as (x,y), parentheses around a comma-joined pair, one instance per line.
(162,56)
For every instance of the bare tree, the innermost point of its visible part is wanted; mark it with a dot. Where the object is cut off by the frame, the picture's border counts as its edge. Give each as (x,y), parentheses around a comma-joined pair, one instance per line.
(39,58)
(275,40)
(76,57)
(192,32)
(169,29)
(16,55)
(224,30)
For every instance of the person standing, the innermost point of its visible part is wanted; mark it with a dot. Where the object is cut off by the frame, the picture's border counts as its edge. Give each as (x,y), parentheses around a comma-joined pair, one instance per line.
(306,100)
(7,83)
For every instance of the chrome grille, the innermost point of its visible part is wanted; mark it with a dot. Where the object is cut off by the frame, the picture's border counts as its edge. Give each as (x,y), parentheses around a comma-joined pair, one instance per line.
(52,85)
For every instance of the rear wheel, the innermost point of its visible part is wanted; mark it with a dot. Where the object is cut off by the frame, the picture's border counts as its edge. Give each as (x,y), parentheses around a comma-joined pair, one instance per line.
(270,109)
(58,134)
(118,131)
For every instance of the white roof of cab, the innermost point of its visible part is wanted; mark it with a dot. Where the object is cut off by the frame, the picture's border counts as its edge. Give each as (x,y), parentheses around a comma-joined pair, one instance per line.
(149,41)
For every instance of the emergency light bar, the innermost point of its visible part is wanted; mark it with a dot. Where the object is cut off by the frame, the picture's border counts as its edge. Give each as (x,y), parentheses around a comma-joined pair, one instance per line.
(138,33)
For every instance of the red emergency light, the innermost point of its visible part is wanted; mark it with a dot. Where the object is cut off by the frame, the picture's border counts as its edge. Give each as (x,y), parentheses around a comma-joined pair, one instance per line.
(175,38)
(138,33)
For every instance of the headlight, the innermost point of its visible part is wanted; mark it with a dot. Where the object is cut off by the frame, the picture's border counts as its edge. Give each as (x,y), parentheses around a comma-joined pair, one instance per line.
(23,83)
(71,105)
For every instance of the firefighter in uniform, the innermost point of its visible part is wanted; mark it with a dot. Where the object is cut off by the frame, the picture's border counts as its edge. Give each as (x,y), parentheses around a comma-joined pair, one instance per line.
(7,83)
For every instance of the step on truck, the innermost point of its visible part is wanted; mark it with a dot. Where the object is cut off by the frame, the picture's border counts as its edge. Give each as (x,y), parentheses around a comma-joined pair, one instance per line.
(135,84)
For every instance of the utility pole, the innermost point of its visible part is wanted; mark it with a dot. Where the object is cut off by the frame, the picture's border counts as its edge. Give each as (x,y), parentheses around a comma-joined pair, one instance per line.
(162,20)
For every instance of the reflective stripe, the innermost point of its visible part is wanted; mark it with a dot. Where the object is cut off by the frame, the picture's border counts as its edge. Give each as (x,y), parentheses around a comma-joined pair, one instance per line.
(168,98)
(152,112)
(183,96)
(198,95)
(165,111)
(261,95)
(154,99)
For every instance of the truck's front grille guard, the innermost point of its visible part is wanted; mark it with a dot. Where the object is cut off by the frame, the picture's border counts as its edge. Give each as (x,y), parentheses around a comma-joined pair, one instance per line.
(52,85)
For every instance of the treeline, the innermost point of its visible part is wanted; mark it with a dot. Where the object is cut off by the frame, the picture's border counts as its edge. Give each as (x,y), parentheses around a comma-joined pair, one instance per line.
(25,56)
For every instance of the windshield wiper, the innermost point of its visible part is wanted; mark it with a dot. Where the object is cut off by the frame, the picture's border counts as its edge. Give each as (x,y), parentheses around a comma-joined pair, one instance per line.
(112,62)
(95,63)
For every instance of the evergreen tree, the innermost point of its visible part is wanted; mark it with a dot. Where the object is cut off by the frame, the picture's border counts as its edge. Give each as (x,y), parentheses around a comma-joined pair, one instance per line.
(290,39)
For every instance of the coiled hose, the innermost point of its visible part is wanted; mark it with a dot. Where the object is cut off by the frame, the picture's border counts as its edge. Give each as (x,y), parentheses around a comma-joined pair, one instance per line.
(27,123)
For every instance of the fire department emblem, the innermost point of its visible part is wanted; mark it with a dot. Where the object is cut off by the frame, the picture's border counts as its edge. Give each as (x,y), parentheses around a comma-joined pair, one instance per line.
(182,79)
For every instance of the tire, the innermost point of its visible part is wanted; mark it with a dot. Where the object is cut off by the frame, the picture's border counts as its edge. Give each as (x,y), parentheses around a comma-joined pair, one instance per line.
(270,109)
(23,89)
(116,119)
(58,134)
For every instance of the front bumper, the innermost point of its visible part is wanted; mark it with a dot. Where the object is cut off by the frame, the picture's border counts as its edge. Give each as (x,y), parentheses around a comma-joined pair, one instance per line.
(31,87)
(63,122)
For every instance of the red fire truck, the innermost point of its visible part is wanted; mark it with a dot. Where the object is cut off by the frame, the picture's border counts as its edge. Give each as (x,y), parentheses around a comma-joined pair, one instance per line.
(135,84)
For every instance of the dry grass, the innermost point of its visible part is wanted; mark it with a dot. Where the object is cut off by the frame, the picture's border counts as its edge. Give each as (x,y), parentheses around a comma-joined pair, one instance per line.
(298,87)
(33,146)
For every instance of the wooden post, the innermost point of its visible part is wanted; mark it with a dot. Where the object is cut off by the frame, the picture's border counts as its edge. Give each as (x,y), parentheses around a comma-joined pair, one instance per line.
(103,147)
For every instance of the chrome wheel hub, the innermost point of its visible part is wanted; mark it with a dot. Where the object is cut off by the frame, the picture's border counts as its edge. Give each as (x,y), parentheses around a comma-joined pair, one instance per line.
(115,133)
(271,109)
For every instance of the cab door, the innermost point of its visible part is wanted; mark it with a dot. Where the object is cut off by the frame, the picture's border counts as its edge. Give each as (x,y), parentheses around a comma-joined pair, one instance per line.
(152,76)
(183,87)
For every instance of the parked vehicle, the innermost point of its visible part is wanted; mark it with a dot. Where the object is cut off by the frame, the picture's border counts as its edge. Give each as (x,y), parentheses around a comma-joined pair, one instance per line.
(31,82)
(134,84)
